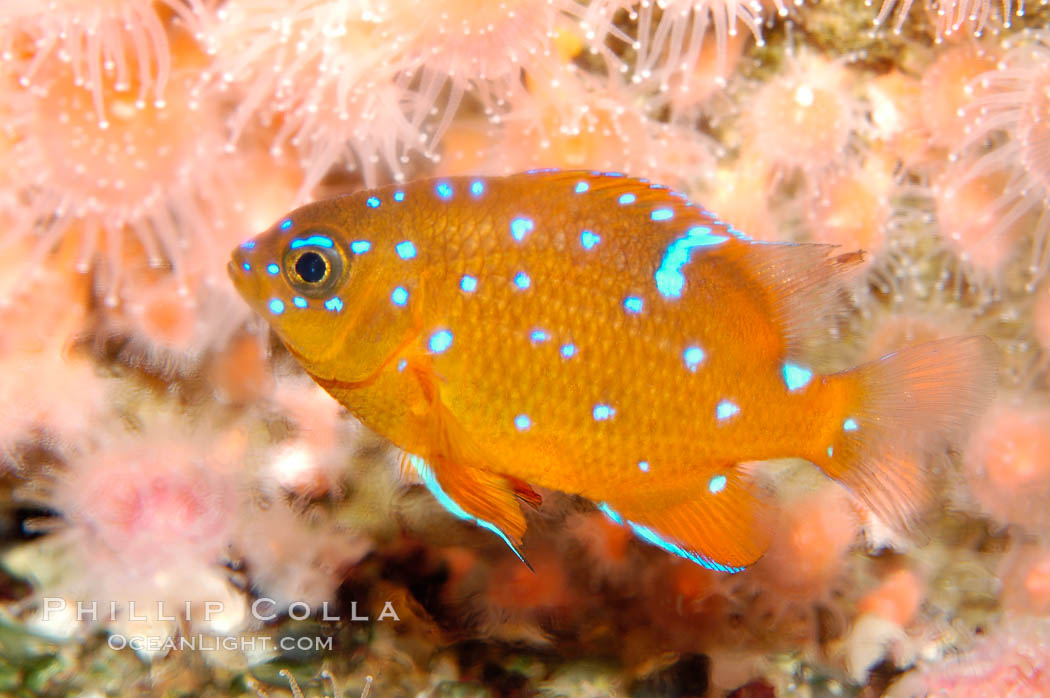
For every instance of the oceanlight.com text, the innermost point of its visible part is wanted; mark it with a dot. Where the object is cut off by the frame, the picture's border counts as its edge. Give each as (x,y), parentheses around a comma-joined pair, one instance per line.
(153,644)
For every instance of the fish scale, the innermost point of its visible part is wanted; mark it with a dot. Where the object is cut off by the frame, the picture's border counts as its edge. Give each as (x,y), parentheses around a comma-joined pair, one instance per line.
(614,341)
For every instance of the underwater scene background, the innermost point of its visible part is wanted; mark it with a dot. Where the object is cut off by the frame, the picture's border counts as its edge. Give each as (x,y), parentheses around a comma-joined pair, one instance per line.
(184,512)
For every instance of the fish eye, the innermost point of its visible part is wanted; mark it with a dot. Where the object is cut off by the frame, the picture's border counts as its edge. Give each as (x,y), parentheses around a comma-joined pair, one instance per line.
(311,267)
(314,270)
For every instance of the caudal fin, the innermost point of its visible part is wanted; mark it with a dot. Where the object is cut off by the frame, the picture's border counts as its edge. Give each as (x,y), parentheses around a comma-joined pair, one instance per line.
(908,408)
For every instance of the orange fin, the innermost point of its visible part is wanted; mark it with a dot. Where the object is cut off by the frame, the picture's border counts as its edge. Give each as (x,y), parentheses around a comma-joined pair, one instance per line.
(483,498)
(407,469)
(721,523)
(483,495)
(800,283)
(525,493)
(907,408)
(452,468)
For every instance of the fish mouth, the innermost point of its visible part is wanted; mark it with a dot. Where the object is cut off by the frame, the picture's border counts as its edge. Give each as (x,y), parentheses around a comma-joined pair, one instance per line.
(231,271)
(239,270)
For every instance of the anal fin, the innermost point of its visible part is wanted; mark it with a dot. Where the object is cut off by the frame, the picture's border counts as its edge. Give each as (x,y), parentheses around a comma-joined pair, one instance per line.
(720,522)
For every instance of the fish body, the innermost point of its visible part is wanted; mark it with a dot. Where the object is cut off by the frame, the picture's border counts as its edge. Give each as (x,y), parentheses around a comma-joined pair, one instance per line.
(603,336)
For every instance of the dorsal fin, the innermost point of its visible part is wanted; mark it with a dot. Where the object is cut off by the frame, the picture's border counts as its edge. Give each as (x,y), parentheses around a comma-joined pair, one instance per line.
(613,185)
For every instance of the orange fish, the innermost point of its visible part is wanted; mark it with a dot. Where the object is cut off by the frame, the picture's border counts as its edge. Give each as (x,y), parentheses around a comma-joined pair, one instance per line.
(603,336)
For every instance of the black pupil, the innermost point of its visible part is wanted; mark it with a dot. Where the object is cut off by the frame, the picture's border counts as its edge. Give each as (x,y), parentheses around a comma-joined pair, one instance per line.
(311,267)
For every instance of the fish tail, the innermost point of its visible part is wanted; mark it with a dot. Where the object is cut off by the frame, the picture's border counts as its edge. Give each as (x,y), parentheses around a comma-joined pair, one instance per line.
(900,415)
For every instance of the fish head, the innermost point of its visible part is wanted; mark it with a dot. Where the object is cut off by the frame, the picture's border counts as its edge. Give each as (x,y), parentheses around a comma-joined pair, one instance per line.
(316,278)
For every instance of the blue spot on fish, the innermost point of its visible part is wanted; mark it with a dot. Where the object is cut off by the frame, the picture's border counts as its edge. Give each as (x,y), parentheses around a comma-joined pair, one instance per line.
(248,245)
(538,336)
(299,302)
(406,250)
(401,365)
(831,451)
(399,296)
(399,196)
(582,187)
(360,246)
(602,412)
(662,214)
(440,341)
(568,350)
(589,239)
(522,280)
(669,278)
(286,224)
(468,283)
(477,187)
(334,304)
(693,356)
(444,190)
(372,202)
(246,266)
(522,422)
(318,240)
(520,227)
(627,199)
(725,410)
(643,465)
(850,425)
(633,304)
(795,376)
(716,484)
(276,306)
(272,268)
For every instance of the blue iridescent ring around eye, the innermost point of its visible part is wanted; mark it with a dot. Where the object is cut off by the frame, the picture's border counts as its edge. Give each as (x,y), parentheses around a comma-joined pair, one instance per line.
(314,264)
